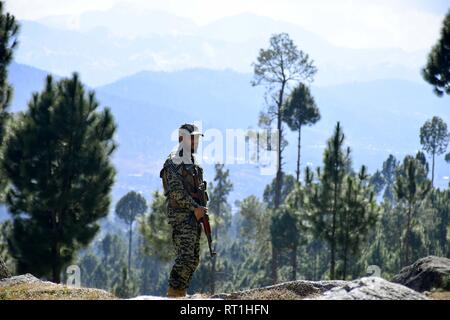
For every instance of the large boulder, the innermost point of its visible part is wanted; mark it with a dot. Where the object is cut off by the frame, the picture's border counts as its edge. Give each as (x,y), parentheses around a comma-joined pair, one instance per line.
(28,287)
(425,274)
(371,288)
(4,273)
(367,288)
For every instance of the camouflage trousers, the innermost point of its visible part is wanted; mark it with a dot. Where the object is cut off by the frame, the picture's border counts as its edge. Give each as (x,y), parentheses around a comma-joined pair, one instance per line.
(186,233)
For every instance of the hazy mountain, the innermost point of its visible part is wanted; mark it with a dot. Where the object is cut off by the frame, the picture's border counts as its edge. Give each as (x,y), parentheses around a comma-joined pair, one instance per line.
(379,117)
(124,20)
(104,50)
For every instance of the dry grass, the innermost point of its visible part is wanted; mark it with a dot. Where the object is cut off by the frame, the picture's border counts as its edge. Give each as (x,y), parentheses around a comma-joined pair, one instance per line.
(439,295)
(269,294)
(49,291)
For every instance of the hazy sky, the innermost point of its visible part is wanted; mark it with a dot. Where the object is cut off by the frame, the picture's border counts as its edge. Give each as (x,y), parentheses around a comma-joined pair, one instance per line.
(407,24)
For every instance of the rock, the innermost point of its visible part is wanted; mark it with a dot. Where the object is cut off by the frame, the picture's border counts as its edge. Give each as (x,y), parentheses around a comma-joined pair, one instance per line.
(425,274)
(371,288)
(368,288)
(28,287)
(4,273)
(196,296)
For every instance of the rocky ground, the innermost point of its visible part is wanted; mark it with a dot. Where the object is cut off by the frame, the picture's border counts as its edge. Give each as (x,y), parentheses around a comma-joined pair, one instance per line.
(427,278)
(28,287)
(368,288)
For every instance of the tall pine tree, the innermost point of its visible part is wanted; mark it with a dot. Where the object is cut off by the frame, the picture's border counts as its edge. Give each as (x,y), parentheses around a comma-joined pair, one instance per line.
(434,138)
(411,187)
(8,42)
(128,208)
(220,209)
(57,161)
(300,110)
(328,193)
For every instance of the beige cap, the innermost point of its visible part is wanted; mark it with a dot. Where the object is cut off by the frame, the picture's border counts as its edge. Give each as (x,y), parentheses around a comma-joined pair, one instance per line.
(192,129)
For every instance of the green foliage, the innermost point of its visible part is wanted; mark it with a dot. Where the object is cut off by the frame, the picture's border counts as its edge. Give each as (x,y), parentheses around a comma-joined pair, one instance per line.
(219,209)
(9,30)
(437,70)
(411,187)
(156,230)
(99,267)
(5,257)
(342,206)
(126,288)
(252,219)
(269,191)
(57,163)
(130,206)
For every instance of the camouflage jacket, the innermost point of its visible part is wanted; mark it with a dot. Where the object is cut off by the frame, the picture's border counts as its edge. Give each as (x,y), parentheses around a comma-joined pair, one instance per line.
(178,183)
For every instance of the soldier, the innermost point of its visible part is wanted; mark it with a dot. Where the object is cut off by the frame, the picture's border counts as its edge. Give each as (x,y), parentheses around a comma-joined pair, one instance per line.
(181,176)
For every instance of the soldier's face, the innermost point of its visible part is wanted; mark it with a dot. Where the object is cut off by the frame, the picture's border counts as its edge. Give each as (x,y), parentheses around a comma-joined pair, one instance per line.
(194,143)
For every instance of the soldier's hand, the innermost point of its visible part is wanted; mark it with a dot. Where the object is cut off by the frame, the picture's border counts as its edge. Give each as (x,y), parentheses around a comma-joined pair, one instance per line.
(199,212)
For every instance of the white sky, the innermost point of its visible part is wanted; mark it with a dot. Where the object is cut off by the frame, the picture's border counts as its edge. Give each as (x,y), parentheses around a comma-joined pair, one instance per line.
(407,24)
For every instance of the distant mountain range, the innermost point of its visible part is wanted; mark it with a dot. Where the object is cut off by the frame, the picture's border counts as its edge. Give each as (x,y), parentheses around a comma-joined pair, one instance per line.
(104,50)
(378,118)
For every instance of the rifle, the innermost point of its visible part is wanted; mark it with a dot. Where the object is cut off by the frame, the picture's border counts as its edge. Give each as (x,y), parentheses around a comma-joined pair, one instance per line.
(202,198)
(205,221)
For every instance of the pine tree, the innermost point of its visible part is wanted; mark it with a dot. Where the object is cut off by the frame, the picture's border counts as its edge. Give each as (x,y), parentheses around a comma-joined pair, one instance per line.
(128,208)
(411,187)
(285,236)
(276,67)
(300,110)
(269,196)
(57,161)
(437,70)
(359,214)
(9,30)
(434,139)
(389,175)
(328,194)
(220,210)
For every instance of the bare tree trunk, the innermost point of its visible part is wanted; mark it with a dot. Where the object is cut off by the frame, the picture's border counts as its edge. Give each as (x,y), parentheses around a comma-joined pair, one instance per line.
(333,238)
(298,153)
(408,235)
(432,172)
(56,271)
(274,266)
(294,263)
(129,247)
(278,180)
(213,275)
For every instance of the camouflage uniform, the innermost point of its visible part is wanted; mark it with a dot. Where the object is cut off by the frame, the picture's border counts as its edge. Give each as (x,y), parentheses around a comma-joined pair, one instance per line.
(186,230)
